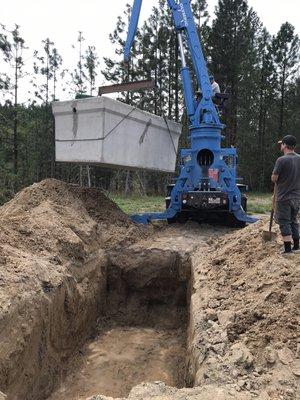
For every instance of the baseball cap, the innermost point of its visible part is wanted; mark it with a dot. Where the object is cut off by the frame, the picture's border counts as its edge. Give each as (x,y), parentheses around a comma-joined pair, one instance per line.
(290,140)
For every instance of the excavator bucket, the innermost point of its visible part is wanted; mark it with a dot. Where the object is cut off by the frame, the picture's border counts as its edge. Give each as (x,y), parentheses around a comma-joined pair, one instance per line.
(126,87)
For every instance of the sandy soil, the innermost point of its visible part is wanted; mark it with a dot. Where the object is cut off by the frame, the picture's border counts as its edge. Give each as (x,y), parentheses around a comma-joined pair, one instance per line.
(53,240)
(123,357)
(69,254)
(247,302)
(244,340)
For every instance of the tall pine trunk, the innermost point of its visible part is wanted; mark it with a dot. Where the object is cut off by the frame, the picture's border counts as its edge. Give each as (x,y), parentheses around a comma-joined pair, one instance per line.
(15,134)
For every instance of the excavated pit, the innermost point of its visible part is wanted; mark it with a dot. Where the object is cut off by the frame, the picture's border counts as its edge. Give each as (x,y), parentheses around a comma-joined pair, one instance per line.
(84,292)
(141,332)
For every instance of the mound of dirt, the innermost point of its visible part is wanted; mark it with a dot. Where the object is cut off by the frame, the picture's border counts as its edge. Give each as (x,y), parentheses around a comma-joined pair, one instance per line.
(246,305)
(53,238)
(37,219)
(69,201)
(57,223)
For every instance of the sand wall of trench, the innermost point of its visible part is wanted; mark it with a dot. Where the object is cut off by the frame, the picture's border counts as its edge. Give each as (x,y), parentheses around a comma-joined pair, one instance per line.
(41,333)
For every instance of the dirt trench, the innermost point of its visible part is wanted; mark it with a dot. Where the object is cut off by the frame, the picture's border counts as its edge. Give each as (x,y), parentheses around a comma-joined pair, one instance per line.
(122,322)
(141,335)
(76,274)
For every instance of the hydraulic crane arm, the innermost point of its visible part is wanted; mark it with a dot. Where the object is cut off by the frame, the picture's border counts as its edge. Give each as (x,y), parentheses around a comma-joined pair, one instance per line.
(134,20)
(205,111)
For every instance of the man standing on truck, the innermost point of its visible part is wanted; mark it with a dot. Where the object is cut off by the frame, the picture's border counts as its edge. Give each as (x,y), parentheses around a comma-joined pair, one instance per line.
(286,177)
(214,86)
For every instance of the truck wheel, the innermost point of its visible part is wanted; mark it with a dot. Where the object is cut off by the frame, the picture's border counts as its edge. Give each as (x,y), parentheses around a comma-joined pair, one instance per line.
(234,222)
(180,218)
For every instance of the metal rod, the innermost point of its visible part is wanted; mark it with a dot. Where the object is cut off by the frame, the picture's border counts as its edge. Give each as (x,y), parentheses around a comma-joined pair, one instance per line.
(128,86)
(181,50)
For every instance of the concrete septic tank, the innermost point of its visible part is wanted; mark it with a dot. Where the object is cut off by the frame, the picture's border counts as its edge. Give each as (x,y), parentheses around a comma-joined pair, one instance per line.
(103,131)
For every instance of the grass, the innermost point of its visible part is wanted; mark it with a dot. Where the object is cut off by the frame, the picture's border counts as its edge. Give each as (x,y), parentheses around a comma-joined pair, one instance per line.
(258,203)
(136,205)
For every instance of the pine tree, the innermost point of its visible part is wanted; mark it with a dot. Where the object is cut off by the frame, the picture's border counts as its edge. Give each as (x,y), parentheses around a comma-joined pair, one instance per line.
(293,106)
(199,8)
(5,47)
(285,48)
(78,76)
(116,71)
(232,52)
(12,48)
(55,65)
(42,66)
(91,62)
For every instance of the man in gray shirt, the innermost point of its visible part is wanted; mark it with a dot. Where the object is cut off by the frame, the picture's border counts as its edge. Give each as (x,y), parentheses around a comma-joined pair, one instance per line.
(286,176)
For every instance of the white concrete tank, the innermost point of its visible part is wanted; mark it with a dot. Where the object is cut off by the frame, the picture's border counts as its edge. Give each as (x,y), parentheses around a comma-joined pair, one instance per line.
(100,130)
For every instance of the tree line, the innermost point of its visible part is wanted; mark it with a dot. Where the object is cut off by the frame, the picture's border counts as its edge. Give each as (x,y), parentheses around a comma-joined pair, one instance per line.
(260,71)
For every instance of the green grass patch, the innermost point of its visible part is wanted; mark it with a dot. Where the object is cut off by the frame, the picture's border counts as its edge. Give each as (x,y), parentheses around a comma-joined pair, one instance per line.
(258,203)
(138,205)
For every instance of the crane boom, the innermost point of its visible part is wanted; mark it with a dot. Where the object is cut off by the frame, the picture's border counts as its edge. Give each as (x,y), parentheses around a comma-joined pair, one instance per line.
(134,20)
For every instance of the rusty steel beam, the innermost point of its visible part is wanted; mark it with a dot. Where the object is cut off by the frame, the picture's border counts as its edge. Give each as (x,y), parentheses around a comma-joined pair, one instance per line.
(126,87)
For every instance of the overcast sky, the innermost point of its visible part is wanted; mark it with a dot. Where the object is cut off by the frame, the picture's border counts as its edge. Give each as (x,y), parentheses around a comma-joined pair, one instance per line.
(60,20)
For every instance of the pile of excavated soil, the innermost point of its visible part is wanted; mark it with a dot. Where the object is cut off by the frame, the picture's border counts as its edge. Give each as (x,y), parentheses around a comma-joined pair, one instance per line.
(31,211)
(246,316)
(53,238)
(52,225)
(57,223)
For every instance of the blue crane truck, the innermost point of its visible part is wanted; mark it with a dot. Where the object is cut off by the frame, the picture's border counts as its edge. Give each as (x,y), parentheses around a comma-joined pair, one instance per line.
(206,188)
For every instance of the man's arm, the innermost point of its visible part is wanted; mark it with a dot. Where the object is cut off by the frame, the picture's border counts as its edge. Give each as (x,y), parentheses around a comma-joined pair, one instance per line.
(274,178)
(276,171)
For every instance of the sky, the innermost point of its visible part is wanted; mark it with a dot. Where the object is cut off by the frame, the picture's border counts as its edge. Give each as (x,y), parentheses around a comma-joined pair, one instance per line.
(60,20)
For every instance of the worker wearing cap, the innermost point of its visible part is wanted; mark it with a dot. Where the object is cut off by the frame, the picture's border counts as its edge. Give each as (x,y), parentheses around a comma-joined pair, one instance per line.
(286,176)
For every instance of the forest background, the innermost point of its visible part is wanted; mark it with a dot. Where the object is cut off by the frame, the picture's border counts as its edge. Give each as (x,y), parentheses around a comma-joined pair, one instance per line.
(259,70)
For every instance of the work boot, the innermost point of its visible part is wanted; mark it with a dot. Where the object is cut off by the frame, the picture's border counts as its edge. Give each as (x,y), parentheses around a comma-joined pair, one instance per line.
(287,249)
(296,248)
